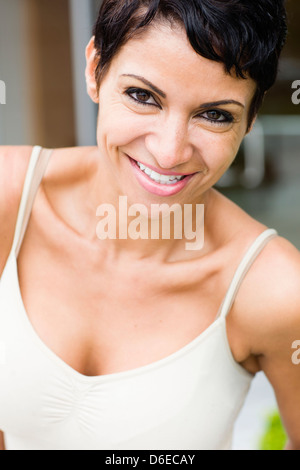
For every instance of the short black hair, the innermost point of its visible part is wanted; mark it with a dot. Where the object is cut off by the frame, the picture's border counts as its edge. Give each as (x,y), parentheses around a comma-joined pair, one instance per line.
(247,36)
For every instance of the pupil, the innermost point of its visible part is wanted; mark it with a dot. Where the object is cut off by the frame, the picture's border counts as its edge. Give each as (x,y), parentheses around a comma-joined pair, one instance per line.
(142,96)
(214,115)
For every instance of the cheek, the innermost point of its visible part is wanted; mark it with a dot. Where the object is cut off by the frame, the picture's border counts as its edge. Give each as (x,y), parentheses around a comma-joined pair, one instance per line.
(219,157)
(220,150)
(118,126)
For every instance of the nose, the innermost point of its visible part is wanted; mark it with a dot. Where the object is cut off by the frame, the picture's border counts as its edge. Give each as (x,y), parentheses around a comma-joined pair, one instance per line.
(169,144)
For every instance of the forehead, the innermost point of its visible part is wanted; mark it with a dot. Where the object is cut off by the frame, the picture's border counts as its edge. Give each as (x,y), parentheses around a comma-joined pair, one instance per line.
(164,56)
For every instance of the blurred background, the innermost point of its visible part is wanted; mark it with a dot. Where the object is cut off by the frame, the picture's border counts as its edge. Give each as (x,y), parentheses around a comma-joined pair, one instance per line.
(42,64)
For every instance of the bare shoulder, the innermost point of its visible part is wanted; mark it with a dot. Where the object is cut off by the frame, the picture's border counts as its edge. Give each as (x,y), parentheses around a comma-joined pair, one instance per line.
(268,303)
(282,265)
(66,167)
(70,165)
(273,323)
(14,162)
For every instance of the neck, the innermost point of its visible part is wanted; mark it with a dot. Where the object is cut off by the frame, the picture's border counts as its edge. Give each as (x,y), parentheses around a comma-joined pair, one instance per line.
(162,231)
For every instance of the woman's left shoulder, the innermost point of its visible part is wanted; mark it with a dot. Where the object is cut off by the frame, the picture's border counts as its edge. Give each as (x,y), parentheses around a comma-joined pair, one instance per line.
(280,266)
(271,297)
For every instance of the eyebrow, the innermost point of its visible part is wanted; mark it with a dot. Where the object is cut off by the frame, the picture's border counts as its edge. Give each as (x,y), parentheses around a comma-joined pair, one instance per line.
(163,95)
(220,103)
(149,84)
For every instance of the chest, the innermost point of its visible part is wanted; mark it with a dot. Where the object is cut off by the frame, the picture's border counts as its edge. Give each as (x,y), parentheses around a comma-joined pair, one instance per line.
(163,404)
(109,319)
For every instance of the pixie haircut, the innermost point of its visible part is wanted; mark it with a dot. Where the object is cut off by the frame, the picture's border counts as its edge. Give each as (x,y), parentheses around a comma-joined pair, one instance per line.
(247,36)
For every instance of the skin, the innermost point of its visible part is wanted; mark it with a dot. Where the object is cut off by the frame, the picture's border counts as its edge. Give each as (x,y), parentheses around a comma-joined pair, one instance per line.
(170,132)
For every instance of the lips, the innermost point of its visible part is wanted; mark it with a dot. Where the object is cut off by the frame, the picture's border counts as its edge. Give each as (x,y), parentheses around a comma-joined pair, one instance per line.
(163,172)
(158,177)
(163,184)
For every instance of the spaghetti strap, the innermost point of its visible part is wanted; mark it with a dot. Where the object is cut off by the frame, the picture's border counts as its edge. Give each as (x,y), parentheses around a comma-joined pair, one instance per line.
(243,269)
(38,163)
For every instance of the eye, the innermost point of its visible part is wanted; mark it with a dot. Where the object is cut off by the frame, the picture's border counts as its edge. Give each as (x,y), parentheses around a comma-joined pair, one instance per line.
(217,116)
(141,96)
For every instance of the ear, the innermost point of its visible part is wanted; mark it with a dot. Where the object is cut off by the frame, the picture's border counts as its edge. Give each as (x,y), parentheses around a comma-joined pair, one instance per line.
(90,76)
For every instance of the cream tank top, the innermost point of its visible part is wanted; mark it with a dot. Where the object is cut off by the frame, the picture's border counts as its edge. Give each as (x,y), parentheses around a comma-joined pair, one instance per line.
(186,401)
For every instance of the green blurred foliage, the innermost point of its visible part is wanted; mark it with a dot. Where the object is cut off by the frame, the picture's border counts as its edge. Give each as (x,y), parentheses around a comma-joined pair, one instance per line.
(274,437)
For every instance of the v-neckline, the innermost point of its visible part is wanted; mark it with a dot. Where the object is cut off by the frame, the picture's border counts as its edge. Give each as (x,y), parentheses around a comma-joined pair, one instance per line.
(218,322)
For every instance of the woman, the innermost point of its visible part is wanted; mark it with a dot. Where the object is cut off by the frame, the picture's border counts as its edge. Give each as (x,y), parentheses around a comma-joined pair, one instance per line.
(139,343)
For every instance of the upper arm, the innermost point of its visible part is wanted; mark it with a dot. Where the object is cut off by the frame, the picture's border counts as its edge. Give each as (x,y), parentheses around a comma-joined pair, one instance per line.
(280,334)
(266,318)
(284,376)
(13,165)
(283,371)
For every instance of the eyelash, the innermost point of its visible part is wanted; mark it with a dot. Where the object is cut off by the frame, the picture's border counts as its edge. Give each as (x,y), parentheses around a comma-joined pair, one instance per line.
(228,118)
(130,91)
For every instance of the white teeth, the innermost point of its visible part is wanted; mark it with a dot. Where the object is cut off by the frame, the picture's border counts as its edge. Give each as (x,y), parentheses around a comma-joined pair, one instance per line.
(158,178)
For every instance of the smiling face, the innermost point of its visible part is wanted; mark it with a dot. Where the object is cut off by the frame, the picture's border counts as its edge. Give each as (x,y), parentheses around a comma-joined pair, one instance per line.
(170,121)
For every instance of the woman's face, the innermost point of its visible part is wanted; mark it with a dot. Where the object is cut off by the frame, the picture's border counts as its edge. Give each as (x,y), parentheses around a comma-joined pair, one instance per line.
(166,111)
